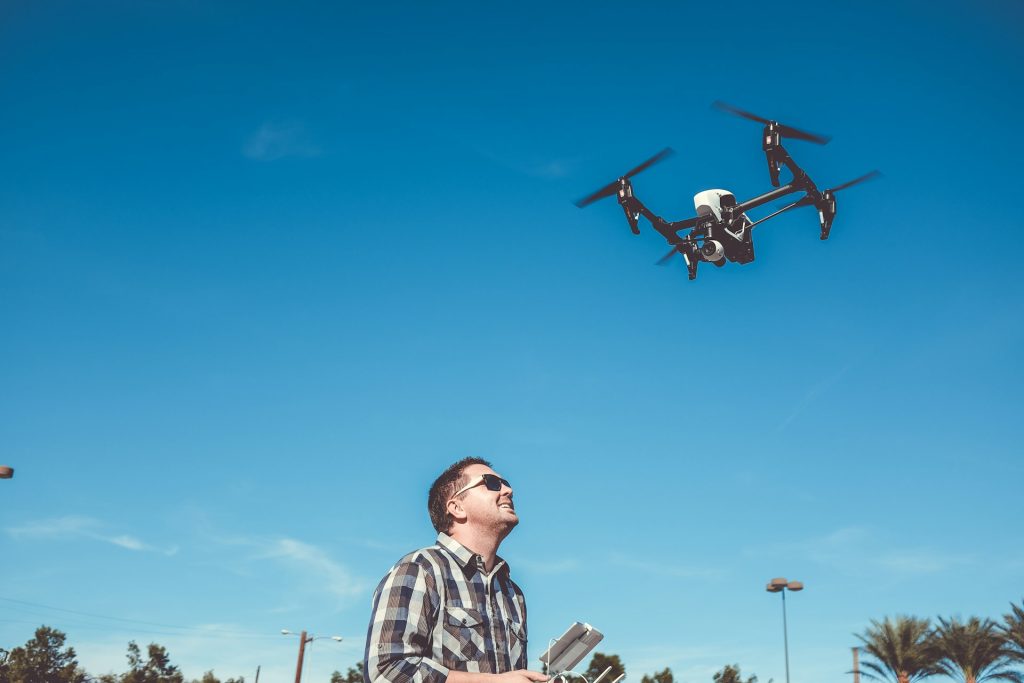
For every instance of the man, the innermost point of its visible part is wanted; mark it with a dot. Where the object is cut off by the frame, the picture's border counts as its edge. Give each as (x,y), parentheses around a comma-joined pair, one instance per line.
(450,613)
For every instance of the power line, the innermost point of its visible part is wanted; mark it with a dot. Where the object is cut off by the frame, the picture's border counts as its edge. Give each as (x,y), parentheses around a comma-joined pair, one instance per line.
(214,632)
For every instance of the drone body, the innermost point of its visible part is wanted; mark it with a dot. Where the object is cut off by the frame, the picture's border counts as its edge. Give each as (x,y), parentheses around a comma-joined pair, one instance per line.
(733,241)
(721,231)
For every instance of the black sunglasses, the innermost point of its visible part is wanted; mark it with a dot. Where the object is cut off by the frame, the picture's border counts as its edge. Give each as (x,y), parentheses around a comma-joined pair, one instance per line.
(492,481)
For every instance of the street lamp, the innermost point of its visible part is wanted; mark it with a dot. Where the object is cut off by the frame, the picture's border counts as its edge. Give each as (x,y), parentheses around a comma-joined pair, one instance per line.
(780,585)
(303,639)
(6,472)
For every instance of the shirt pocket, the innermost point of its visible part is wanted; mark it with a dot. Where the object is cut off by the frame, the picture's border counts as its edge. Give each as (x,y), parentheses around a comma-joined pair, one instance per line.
(463,638)
(516,644)
(517,631)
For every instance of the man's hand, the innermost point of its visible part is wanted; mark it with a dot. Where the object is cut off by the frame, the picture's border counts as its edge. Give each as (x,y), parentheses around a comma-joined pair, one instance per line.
(521,676)
(518,676)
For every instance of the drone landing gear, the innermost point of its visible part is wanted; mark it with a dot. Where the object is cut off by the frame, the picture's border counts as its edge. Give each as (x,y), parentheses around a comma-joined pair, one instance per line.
(626,202)
(691,265)
(770,143)
(826,212)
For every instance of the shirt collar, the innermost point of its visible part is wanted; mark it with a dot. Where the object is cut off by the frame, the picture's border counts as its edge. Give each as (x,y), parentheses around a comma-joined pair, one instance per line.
(467,559)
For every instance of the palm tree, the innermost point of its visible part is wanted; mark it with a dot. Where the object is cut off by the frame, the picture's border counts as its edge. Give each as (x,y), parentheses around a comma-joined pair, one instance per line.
(974,651)
(903,650)
(1013,631)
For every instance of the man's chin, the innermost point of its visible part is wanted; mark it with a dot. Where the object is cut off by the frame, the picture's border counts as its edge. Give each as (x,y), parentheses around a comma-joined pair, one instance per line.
(507,523)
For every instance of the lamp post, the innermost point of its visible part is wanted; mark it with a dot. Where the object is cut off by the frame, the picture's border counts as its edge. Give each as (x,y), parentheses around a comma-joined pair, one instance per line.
(780,585)
(303,639)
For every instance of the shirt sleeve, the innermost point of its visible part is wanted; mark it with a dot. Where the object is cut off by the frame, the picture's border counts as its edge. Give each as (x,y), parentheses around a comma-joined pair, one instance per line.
(398,643)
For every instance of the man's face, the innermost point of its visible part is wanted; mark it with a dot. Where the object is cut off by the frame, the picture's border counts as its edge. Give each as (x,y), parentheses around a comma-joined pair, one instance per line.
(488,509)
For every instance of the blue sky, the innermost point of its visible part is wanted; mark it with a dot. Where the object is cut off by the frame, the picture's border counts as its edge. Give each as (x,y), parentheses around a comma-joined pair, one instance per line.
(265,270)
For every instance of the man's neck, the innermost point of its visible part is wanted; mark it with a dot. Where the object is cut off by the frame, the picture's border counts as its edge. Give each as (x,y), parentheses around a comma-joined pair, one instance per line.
(483,544)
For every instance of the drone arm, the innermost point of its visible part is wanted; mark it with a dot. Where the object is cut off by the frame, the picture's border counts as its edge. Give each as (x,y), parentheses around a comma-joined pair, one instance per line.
(794,205)
(768,197)
(634,208)
(777,156)
(667,229)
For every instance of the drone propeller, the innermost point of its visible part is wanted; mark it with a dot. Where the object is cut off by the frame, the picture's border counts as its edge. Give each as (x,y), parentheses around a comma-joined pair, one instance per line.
(613,187)
(808,200)
(675,250)
(784,130)
(855,181)
(663,261)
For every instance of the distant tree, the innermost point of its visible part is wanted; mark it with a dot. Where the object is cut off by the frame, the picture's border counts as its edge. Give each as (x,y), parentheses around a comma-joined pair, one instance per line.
(599,662)
(353,675)
(663,676)
(974,651)
(156,668)
(1013,631)
(43,659)
(730,673)
(208,677)
(902,650)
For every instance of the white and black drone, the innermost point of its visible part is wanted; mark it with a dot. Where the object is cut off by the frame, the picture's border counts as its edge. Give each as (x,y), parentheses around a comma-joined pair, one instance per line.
(721,229)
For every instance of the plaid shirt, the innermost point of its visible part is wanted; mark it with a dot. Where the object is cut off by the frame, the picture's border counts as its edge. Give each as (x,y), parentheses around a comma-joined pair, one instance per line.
(437,610)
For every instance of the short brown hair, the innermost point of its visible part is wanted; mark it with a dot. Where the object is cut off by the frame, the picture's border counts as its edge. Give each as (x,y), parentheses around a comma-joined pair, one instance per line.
(450,481)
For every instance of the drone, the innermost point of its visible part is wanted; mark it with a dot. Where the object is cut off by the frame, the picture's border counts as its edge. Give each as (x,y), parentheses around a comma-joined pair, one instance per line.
(721,231)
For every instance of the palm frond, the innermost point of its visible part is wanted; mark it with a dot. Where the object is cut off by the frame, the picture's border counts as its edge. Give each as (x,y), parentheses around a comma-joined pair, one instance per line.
(973,651)
(1013,631)
(901,649)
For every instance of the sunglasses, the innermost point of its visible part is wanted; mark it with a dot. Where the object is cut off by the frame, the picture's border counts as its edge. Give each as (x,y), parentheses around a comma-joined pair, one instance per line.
(492,481)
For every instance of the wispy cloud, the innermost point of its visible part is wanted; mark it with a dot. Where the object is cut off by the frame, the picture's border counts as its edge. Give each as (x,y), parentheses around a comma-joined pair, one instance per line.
(668,569)
(77,526)
(279,140)
(312,562)
(559,566)
(812,394)
(921,561)
(687,662)
(556,168)
(858,549)
(307,557)
(545,169)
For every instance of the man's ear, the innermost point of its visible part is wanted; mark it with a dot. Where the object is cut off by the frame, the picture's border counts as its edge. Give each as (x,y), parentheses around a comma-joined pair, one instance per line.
(457,512)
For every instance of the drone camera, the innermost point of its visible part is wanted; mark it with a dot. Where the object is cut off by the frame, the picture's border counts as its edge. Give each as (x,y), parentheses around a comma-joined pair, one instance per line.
(713,251)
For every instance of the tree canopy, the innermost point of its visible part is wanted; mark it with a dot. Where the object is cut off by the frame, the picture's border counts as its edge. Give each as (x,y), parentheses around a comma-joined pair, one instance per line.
(599,662)
(974,651)
(663,676)
(1013,631)
(354,674)
(43,659)
(902,650)
(730,673)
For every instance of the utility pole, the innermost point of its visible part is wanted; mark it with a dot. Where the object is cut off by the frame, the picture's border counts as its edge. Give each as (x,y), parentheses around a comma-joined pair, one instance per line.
(302,653)
(856,664)
(303,639)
